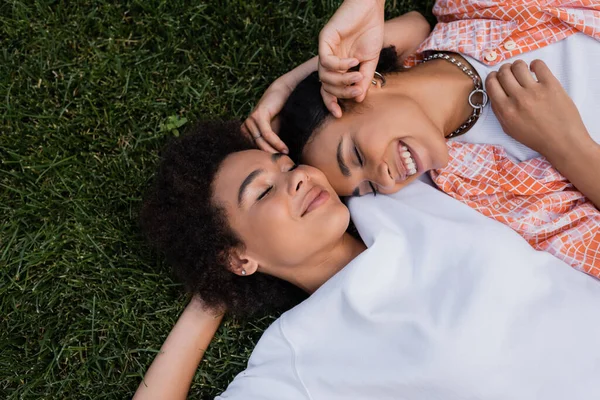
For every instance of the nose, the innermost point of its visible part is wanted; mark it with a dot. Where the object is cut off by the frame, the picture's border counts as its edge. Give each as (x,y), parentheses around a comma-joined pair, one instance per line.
(297,179)
(381,176)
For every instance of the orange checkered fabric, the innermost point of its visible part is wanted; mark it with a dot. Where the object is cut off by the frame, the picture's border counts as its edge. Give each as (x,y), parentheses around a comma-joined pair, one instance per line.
(493,30)
(531,197)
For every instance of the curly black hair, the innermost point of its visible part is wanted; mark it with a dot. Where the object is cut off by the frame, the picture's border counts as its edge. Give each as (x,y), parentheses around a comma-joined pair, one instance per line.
(304,111)
(180,219)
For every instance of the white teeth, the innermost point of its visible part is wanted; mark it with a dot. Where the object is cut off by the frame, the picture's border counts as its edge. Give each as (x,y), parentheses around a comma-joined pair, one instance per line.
(409,161)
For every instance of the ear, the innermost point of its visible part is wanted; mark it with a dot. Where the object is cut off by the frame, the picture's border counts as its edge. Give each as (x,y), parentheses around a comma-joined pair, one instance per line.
(242,264)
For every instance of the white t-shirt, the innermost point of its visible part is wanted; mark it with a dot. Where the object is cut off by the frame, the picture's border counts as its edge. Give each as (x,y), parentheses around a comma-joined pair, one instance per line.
(575,61)
(443,305)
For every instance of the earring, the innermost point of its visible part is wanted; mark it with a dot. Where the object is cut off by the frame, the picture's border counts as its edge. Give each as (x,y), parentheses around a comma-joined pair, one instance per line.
(243,272)
(380,77)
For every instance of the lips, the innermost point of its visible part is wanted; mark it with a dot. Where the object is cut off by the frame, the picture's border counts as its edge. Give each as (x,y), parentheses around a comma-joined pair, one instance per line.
(315,197)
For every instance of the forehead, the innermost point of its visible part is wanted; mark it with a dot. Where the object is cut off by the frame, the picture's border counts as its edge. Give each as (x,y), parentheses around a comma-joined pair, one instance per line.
(240,164)
(235,168)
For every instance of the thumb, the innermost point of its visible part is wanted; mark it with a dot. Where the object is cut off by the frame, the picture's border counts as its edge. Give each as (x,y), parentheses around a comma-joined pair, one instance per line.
(367,69)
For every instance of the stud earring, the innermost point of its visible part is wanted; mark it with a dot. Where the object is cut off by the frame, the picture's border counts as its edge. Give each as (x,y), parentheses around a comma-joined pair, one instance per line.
(243,272)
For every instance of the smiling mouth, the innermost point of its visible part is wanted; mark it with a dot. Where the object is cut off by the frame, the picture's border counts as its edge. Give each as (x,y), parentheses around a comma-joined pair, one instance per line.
(315,198)
(407,164)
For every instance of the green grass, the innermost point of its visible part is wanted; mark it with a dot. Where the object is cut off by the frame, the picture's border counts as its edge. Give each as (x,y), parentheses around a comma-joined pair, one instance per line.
(89,90)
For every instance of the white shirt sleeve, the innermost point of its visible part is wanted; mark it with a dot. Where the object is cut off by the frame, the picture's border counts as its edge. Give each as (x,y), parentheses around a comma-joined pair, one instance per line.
(271,372)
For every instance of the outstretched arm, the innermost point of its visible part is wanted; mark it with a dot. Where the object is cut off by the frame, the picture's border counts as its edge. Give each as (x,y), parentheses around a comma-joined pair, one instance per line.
(540,114)
(172,371)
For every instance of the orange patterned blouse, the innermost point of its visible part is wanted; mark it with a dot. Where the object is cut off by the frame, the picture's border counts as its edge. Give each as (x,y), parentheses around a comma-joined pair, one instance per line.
(492,31)
(531,197)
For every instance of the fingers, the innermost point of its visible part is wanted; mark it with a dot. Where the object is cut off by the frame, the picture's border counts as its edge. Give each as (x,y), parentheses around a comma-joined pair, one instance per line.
(331,103)
(258,126)
(261,143)
(521,72)
(494,89)
(340,85)
(343,92)
(245,131)
(264,145)
(264,125)
(334,63)
(367,69)
(542,72)
(509,82)
(339,78)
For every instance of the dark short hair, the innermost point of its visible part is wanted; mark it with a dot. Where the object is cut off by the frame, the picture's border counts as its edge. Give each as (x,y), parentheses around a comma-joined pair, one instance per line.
(181,220)
(304,112)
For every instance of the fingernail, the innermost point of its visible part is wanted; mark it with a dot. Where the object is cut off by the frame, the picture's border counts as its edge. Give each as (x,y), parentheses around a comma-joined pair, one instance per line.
(285,151)
(353,63)
(355,92)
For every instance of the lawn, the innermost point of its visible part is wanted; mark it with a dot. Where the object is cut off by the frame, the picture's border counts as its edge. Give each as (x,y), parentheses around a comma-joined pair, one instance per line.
(89,92)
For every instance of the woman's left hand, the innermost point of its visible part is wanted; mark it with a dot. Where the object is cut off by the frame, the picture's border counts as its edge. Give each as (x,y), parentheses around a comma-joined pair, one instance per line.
(538,113)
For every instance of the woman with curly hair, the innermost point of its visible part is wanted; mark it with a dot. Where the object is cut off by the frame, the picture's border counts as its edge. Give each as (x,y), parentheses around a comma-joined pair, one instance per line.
(244,230)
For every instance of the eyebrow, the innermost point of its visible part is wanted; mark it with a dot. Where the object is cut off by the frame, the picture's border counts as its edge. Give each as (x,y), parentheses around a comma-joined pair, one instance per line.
(244,186)
(276,156)
(253,175)
(340,159)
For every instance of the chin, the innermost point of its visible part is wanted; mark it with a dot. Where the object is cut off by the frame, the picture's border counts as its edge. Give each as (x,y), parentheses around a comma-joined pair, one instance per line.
(339,218)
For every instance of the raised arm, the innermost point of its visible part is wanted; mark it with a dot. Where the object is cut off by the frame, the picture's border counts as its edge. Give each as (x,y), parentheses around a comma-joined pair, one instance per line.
(405,32)
(172,371)
(540,114)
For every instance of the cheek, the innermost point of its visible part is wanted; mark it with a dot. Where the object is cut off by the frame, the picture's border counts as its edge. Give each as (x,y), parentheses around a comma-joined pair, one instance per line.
(268,222)
(274,235)
(330,174)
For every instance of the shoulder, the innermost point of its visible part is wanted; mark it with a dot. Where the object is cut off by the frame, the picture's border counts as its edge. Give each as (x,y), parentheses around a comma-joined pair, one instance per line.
(271,371)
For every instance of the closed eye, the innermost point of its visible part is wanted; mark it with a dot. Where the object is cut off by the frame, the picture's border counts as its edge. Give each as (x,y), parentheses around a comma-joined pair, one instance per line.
(361,163)
(263,194)
(358,157)
(373,189)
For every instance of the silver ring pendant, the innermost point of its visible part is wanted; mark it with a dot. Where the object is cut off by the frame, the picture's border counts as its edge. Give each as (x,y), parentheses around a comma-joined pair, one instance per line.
(483,102)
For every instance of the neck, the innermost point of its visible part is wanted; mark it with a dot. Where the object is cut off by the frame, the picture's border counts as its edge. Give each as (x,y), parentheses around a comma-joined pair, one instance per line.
(438,87)
(326,264)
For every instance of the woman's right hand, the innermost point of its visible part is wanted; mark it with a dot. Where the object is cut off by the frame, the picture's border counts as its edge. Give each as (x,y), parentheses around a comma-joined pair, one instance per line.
(263,123)
(353,36)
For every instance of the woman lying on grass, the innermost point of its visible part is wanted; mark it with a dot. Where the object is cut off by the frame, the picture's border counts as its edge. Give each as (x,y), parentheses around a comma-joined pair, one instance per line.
(473,319)
(402,315)
(399,132)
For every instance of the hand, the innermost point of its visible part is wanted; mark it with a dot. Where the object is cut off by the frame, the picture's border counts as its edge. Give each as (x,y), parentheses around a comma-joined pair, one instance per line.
(353,35)
(540,114)
(263,122)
